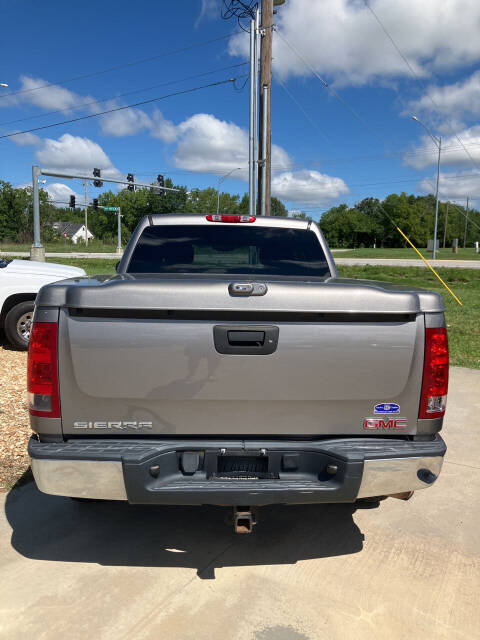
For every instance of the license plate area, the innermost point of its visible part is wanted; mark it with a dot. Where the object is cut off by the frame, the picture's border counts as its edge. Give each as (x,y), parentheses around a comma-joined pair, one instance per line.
(238,467)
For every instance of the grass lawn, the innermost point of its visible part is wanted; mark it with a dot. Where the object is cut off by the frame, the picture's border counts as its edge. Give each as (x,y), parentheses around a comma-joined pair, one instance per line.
(463,322)
(409,254)
(92,266)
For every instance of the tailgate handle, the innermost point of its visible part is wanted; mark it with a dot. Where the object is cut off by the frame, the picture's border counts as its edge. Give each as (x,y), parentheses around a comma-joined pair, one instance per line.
(245,340)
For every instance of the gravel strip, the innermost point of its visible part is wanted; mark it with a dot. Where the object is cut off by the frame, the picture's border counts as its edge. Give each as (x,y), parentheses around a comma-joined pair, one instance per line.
(14,422)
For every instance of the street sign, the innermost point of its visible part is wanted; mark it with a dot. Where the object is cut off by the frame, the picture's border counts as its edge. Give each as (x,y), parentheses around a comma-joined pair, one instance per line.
(110,208)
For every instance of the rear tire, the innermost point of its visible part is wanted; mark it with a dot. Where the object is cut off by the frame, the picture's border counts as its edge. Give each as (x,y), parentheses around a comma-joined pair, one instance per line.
(18,324)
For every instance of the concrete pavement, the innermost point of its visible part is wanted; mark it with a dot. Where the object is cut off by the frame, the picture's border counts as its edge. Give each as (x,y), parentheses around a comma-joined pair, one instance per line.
(401,570)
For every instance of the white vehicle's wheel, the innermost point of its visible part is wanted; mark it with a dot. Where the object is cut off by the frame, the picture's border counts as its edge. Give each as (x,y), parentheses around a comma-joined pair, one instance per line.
(18,324)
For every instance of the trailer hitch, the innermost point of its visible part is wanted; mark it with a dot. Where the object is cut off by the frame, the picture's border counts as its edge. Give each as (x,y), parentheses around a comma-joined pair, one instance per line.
(244,518)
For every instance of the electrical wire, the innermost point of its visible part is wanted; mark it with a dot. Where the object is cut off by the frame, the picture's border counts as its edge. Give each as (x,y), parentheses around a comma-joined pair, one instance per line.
(127,93)
(417,77)
(239,9)
(120,66)
(239,89)
(331,90)
(129,106)
(292,97)
(455,207)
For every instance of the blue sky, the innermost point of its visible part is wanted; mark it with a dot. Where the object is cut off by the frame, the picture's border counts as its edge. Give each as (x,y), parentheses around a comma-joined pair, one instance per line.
(320,159)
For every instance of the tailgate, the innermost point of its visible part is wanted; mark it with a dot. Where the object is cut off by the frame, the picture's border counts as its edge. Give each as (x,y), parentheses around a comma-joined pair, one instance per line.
(176,358)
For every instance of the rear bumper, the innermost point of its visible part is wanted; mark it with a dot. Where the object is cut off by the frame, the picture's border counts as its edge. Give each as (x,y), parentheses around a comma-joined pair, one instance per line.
(185,471)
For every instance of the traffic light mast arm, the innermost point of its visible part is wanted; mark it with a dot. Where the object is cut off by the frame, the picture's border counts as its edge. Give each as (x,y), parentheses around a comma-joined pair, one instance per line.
(55,174)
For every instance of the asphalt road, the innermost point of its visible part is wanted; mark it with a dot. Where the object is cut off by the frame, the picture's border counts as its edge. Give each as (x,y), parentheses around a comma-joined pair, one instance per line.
(400,570)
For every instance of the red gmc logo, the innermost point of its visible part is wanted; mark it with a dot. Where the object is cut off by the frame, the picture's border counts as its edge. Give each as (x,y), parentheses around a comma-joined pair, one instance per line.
(380,423)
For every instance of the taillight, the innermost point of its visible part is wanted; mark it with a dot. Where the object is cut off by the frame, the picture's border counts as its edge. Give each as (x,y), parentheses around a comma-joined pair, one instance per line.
(435,374)
(42,373)
(229,217)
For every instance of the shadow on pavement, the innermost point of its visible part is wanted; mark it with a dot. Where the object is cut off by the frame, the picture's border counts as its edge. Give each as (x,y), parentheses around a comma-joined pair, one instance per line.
(118,534)
(6,346)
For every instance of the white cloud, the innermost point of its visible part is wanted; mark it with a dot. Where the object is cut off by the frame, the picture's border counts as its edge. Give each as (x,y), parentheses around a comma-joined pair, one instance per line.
(308,187)
(60,193)
(209,10)
(426,154)
(454,185)
(161,128)
(50,98)
(341,38)
(458,99)
(124,123)
(129,122)
(26,139)
(209,145)
(73,154)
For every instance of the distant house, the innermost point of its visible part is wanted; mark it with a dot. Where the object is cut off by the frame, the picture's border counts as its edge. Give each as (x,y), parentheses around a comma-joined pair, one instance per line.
(73,230)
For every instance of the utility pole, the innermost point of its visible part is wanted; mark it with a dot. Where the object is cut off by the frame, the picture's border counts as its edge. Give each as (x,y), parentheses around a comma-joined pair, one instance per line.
(438,143)
(466,224)
(252,127)
(86,214)
(266,30)
(119,231)
(37,251)
(445,230)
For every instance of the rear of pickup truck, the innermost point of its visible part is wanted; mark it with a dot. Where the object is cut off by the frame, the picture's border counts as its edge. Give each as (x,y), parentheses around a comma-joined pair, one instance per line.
(226,363)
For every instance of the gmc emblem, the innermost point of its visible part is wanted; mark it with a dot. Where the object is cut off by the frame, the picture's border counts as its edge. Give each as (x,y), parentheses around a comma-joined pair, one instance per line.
(381,423)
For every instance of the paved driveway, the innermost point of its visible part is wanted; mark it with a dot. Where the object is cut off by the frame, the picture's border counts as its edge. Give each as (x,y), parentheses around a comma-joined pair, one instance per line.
(113,571)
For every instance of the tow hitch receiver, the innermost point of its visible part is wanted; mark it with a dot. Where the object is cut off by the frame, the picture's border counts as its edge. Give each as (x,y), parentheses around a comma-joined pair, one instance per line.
(244,518)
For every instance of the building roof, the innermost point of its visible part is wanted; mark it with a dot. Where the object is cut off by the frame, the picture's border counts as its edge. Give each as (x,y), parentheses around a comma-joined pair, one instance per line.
(67,228)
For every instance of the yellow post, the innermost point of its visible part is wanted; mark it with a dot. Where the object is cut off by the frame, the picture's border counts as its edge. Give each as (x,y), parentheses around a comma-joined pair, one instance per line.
(430,267)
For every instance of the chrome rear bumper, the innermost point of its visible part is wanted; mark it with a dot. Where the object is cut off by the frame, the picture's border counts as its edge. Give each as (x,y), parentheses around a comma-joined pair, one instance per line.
(153,472)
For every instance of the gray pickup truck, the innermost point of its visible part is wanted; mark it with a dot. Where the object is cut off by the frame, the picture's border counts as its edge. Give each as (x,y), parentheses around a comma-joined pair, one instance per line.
(227,363)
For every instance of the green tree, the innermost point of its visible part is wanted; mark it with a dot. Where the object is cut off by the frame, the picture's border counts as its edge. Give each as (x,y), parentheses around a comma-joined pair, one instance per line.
(277,208)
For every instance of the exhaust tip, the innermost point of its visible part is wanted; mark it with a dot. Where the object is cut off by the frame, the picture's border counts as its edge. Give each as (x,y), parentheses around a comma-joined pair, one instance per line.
(427,476)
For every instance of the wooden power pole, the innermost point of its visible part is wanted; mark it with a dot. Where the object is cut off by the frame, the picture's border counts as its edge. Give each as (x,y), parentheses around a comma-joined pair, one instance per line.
(266,28)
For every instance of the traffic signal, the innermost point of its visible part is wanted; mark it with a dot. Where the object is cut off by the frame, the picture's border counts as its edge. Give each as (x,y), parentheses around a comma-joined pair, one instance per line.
(72,202)
(96,174)
(130,178)
(95,203)
(161,182)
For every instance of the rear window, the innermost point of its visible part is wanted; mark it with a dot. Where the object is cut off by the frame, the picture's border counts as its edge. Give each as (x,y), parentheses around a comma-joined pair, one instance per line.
(223,249)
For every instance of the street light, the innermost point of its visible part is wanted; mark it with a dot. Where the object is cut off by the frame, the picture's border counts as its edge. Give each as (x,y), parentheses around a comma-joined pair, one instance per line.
(3,84)
(220,180)
(438,143)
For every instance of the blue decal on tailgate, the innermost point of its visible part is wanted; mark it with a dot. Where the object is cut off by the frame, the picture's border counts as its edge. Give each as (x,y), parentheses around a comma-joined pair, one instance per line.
(387,407)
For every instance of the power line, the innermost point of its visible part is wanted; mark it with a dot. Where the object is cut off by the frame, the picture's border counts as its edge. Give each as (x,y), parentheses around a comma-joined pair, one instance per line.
(331,89)
(457,208)
(292,97)
(374,157)
(129,106)
(120,66)
(127,93)
(417,77)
